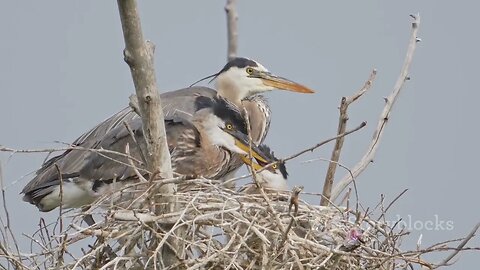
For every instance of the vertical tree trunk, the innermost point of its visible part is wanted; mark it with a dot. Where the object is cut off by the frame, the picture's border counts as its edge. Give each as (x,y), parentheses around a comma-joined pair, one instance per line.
(232,33)
(139,56)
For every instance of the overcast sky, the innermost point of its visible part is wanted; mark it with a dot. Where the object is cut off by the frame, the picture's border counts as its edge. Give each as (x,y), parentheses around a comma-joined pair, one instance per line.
(62,71)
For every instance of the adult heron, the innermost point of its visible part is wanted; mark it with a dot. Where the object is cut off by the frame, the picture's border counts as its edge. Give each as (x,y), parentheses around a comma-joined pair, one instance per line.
(239,82)
(216,132)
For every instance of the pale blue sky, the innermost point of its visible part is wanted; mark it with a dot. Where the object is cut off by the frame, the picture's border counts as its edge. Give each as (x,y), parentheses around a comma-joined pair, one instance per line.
(62,72)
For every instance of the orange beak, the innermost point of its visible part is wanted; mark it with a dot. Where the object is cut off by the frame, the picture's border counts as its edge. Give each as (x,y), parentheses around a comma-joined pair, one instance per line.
(282,83)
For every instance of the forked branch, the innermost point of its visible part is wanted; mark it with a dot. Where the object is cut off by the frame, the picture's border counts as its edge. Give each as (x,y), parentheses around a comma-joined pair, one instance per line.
(385,115)
(342,126)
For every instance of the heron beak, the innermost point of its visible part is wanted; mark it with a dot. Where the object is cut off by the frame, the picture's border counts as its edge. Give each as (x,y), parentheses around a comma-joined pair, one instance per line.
(249,162)
(282,83)
(242,142)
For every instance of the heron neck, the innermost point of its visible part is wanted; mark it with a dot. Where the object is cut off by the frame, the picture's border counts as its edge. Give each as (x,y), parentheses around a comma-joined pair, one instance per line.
(232,96)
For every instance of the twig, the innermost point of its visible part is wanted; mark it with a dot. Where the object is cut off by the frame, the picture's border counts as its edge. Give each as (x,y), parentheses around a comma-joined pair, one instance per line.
(385,115)
(342,126)
(102,152)
(7,226)
(135,169)
(392,202)
(293,202)
(60,209)
(139,147)
(461,245)
(311,149)
(363,124)
(254,175)
(232,32)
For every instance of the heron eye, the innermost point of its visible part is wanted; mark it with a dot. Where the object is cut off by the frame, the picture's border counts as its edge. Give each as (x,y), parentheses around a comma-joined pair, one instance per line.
(274,166)
(249,70)
(229,126)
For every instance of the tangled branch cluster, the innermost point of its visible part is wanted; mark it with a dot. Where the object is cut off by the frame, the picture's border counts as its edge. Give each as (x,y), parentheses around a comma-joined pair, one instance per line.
(220,229)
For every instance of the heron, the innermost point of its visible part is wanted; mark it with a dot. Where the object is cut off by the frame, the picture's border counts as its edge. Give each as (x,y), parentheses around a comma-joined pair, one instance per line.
(273,177)
(240,81)
(205,147)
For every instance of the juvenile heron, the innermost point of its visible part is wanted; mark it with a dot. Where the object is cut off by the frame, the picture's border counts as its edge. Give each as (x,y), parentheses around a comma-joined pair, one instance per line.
(204,148)
(218,132)
(273,178)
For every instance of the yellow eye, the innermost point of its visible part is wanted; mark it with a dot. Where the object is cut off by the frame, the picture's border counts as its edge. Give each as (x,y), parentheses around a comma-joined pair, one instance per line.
(229,126)
(249,70)
(274,166)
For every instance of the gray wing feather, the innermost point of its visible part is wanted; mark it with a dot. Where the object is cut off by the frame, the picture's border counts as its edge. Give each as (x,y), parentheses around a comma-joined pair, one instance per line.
(112,134)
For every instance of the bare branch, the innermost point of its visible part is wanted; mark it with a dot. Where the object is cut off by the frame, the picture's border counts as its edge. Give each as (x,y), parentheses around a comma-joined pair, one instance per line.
(232,32)
(342,125)
(384,116)
(363,124)
(139,56)
(461,245)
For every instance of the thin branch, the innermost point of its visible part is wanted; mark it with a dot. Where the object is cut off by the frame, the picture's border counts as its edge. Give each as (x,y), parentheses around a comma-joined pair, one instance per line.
(363,124)
(232,32)
(311,149)
(392,202)
(293,203)
(342,126)
(385,115)
(461,245)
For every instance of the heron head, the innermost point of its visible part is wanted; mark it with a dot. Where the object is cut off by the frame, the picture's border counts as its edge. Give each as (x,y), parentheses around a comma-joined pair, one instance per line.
(224,126)
(273,177)
(243,77)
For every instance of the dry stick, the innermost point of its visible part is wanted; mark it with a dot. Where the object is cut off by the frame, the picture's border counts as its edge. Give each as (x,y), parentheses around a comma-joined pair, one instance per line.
(60,260)
(132,135)
(138,54)
(135,169)
(363,124)
(254,175)
(60,209)
(293,203)
(461,245)
(232,32)
(391,203)
(102,152)
(7,216)
(385,115)
(342,126)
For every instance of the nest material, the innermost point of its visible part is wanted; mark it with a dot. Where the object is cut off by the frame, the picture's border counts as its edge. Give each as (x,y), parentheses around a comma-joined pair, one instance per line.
(224,229)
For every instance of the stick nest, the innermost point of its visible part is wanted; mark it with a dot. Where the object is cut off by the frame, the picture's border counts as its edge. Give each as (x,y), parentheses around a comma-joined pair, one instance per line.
(220,228)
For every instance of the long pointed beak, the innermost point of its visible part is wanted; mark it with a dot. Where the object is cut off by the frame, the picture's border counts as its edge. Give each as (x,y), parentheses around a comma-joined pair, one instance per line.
(242,142)
(249,162)
(282,83)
